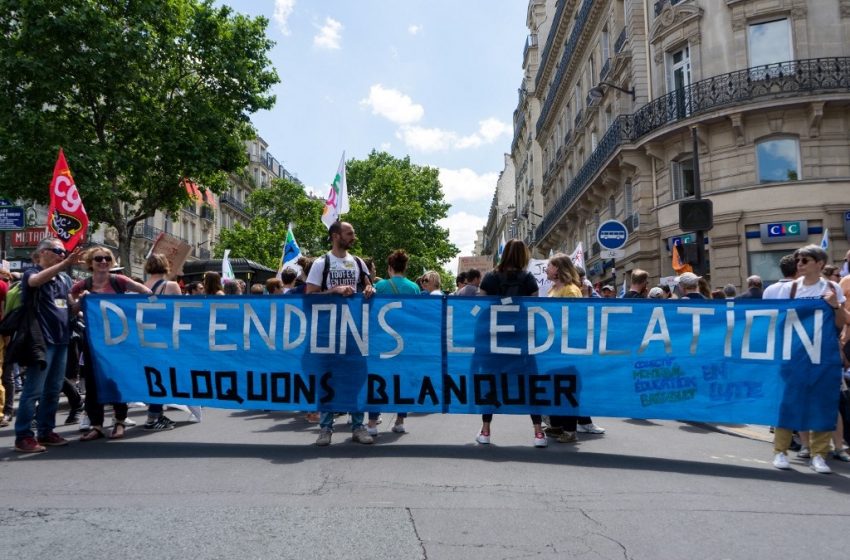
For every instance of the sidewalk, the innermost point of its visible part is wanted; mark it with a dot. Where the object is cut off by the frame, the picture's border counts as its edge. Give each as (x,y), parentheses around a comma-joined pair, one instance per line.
(749,431)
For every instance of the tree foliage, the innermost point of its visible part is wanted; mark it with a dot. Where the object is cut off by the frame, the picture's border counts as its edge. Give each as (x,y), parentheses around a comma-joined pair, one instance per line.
(396,204)
(273,208)
(138,94)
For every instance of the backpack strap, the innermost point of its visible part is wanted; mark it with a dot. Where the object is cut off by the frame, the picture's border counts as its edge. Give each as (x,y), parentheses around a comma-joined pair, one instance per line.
(157,284)
(365,279)
(88,283)
(393,287)
(325,272)
(793,290)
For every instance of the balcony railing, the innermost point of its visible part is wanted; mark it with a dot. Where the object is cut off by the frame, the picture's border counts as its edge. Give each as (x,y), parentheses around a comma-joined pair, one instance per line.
(784,78)
(566,58)
(620,42)
(207,213)
(146,231)
(553,30)
(605,69)
(234,203)
(567,137)
(632,222)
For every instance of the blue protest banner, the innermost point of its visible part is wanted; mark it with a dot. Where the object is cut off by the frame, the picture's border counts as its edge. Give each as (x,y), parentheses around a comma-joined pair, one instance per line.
(768,362)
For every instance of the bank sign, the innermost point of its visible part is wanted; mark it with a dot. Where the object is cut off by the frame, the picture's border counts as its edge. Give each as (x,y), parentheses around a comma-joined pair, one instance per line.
(783,232)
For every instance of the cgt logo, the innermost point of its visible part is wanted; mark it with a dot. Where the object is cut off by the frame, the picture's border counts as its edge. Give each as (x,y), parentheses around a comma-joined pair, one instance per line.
(784,229)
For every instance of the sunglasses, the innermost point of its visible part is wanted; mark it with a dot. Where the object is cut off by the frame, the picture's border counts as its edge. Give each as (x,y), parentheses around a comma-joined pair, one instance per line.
(58,251)
(102,258)
(803,260)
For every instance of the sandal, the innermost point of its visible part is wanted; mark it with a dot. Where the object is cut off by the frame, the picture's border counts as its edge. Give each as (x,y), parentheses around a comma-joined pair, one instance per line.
(93,434)
(117,429)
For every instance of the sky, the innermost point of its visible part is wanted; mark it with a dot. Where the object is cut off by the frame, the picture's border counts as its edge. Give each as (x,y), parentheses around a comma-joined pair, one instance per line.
(436,80)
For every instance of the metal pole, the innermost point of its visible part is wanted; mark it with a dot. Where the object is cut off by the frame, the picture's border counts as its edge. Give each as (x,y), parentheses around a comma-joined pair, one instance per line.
(700,240)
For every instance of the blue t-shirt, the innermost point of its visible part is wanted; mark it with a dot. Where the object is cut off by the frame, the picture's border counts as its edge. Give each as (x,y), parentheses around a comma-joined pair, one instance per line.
(402,286)
(53,307)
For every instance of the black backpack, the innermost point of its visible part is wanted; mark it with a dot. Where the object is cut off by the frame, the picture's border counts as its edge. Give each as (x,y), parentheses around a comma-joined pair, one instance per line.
(512,284)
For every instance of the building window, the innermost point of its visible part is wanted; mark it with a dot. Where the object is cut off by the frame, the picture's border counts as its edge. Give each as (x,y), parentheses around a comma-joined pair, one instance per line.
(612,208)
(769,42)
(628,201)
(778,160)
(679,78)
(682,177)
(593,141)
(606,47)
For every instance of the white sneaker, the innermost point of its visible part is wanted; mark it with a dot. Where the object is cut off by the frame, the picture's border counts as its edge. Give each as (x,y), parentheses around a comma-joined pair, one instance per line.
(781,462)
(195,413)
(540,440)
(372,431)
(590,429)
(399,429)
(483,438)
(819,465)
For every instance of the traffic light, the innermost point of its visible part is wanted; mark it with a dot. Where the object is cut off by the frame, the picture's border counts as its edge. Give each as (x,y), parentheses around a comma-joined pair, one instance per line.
(696,215)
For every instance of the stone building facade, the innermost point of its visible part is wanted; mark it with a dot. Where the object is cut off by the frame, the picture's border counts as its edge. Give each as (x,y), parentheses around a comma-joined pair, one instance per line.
(613,94)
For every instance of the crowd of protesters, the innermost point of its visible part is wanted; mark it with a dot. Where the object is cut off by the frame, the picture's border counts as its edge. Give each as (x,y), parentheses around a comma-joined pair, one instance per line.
(58,353)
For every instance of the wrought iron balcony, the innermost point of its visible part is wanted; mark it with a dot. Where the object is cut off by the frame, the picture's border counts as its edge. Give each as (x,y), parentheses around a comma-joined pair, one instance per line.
(814,75)
(579,116)
(567,137)
(553,30)
(632,222)
(620,42)
(234,203)
(605,69)
(566,58)
(146,231)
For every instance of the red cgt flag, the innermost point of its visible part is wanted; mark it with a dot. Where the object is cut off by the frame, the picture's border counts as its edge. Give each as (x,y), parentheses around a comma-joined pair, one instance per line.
(66,216)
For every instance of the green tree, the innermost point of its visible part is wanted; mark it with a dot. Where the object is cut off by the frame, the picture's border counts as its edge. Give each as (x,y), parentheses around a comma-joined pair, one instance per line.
(139,94)
(397,205)
(282,203)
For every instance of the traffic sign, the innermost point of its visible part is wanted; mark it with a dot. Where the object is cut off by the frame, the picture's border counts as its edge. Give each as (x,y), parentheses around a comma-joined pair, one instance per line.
(612,254)
(612,234)
(12,218)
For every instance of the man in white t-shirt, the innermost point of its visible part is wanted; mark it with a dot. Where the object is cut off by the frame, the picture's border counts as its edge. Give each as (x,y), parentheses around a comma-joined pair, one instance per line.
(346,275)
(810,284)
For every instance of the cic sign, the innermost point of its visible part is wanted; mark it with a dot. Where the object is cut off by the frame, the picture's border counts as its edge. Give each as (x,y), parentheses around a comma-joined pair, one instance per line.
(783,232)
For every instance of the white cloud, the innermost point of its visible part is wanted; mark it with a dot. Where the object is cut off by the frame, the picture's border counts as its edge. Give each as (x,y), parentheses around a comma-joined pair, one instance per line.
(393,105)
(437,139)
(385,146)
(466,185)
(414,29)
(462,227)
(282,10)
(426,139)
(329,35)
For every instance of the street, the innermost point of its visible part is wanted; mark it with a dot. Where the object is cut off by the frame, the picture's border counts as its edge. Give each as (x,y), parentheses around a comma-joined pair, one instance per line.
(251,484)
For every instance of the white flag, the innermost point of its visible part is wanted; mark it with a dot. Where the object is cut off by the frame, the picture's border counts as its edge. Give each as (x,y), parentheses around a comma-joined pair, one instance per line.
(577,256)
(824,242)
(337,202)
(226,269)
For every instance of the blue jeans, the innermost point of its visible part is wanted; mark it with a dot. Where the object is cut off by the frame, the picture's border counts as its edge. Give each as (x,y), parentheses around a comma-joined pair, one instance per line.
(326,421)
(42,386)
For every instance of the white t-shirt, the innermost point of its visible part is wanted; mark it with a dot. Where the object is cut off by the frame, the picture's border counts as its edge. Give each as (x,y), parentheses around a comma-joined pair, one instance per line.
(814,291)
(343,272)
(774,291)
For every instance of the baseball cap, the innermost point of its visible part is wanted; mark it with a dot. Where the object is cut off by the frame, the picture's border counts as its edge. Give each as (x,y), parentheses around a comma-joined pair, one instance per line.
(688,279)
(608,287)
(656,293)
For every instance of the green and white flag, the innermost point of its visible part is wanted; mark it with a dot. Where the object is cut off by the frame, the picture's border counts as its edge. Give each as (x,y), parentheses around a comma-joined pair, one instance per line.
(226,269)
(337,201)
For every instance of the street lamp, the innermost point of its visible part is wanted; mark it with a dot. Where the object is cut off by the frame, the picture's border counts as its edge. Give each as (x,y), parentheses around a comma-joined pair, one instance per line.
(597,92)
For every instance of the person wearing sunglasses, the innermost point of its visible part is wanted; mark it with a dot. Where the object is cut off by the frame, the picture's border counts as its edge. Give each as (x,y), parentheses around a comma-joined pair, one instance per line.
(99,260)
(47,288)
(810,284)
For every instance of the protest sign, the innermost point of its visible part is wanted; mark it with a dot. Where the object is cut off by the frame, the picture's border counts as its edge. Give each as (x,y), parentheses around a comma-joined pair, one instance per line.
(175,251)
(766,362)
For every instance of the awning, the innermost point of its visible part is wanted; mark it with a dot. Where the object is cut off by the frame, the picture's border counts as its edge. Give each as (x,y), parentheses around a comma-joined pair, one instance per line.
(196,193)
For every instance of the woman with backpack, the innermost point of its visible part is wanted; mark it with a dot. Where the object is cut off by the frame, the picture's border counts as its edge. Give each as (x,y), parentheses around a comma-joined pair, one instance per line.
(511,279)
(99,260)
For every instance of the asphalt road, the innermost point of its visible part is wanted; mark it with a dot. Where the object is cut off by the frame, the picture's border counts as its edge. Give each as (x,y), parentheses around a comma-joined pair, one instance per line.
(248,484)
